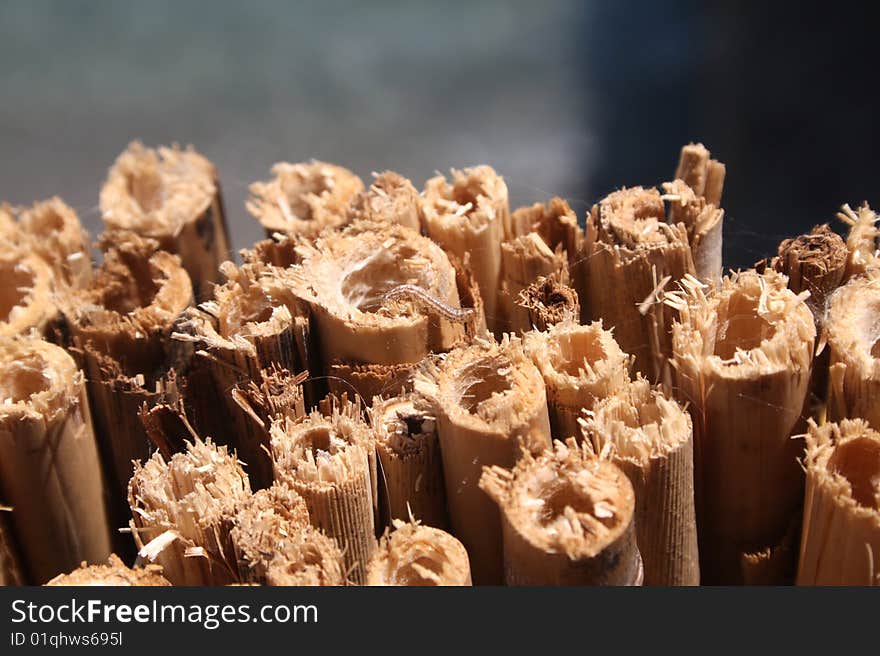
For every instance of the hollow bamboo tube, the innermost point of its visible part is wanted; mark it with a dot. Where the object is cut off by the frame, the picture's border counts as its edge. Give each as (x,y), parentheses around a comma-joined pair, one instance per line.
(275,544)
(345,276)
(49,469)
(173,196)
(742,361)
(11,568)
(390,199)
(524,259)
(114,573)
(581,365)
(651,439)
(330,460)
(370,380)
(632,254)
(695,201)
(852,332)
(27,305)
(548,301)
(183,509)
(118,329)
(862,239)
(567,518)
(470,216)
(840,543)
(490,405)
(416,555)
(303,199)
(409,451)
(248,326)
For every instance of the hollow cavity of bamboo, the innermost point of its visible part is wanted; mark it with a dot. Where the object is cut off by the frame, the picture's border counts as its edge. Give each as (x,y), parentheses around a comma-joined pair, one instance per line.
(416,555)
(27,304)
(548,301)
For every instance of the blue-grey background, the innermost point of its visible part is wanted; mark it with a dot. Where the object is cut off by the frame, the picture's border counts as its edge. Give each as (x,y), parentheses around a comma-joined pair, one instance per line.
(568,98)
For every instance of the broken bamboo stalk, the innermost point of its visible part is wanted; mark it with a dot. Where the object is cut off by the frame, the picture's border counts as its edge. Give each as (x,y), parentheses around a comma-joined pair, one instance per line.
(49,469)
(417,555)
(183,509)
(329,458)
(548,301)
(742,362)
(490,406)
(861,240)
(27,304)
(650,438)
(581,365)
(173,196)
(390,199)
(114,573)
(568,519)
(523,259)
(303,199)
(409,452)
(840,544)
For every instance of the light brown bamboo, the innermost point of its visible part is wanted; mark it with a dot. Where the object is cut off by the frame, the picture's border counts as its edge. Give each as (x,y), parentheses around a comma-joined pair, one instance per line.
(840,543)
(548,301)
(183,509)
(854,370)
(409,452)
(390,199)
(416,555)
(368,381)
(581,365)
(114,573)
(303,199)
(173,196)
(329,458)
(470,216)
(27,305)
(742,361)
(568,519)
(490,405)
(862,239)
(523,259)
(650,437)
(632,254)
(49,469)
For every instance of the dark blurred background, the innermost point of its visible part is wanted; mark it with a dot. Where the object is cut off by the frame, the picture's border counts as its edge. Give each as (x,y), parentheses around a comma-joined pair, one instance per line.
(563,98)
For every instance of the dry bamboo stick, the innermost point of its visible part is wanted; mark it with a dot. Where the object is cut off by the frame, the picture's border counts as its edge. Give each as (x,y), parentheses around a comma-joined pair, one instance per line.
(568,519)
(854,371)
(346,277)
(409,451)
(416,555)
(523,259)
(275,544)
(470,216)
(840,544)
(695,201)
(49,469)
(490,405)
(183,509)
(651,439)
(118,329)
(548,301)
(330,460)
(742,360)
(632,254)
(581,365)
(114,573)
(303,199)
(390,199)
(172,196)
(26,295)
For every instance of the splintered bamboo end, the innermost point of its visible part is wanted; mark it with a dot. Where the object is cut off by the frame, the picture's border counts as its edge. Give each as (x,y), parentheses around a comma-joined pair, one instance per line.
(416,555)
(114,573)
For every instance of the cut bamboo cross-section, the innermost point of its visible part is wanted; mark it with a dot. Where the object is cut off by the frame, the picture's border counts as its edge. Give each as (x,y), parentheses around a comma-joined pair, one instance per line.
(650,438)
(416,555)
(303,199)
(580,365)
(742,361)
(548,301)
(329,458)
(183,509)
(27,305)
(275,544)
(852,332)
(470,216)
(50,474)
(633,254)
(567,518)
(490,406)
(409,452)
(173,196)
(840,544)
(119,329)
(114,573)
(390,199)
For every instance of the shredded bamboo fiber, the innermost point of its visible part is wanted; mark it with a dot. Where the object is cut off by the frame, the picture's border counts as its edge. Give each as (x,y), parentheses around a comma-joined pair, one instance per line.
(390,199)
(416,555)
(114,573)
(26,302)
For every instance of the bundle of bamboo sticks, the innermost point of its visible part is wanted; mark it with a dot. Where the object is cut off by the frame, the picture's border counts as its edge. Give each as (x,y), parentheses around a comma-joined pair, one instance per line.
(432,388)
